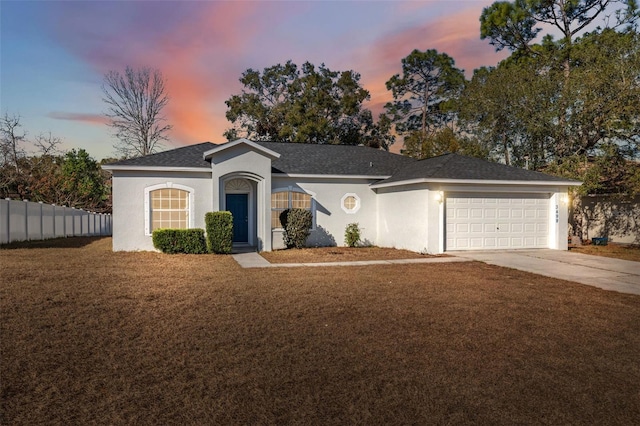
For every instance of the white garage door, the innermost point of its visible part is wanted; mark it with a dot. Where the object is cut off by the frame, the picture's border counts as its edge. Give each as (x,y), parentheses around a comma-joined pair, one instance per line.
(496,221)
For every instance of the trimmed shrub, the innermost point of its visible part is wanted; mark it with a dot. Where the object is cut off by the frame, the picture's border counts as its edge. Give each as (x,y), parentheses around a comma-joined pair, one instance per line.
(219,232)
(352,235)
(189,241)
(297,225)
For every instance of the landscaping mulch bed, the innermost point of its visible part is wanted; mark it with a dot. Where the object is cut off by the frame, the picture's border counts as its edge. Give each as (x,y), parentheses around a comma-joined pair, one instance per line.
(618,251)
(339,254)
(88,336)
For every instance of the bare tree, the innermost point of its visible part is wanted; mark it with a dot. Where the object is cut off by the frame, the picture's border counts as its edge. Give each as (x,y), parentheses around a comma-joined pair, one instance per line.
(135,100)
(47,144)
(11,142)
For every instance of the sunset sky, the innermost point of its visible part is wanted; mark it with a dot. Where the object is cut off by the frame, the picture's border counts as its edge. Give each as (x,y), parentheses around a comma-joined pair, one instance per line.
(54,54)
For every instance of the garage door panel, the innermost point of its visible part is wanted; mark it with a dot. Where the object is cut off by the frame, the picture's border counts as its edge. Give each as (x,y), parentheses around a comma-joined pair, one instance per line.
(475,228)
(496,221)
(489,228)
(475,243)
(462,213)
(503,243)
(462,227)
(504,213)
(486,242)
(476,213)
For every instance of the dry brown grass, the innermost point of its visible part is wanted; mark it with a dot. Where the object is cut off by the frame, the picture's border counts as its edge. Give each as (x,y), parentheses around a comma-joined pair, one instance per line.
(625,252)
(339,254)
(94,337)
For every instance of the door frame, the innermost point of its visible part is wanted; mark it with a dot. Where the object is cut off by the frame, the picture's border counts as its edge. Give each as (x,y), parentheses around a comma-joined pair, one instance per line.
(232,186)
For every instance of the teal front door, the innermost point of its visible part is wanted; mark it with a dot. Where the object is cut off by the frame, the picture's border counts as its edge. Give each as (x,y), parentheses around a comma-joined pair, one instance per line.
(238,205)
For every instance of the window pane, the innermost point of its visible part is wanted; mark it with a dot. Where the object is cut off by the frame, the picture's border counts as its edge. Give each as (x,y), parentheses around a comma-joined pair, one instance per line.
(350,202)
(275,219)
(300,200)
(280,200)
(169,208)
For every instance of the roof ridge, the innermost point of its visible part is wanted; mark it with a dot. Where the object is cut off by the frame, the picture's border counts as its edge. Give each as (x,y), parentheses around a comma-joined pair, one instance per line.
(439,165)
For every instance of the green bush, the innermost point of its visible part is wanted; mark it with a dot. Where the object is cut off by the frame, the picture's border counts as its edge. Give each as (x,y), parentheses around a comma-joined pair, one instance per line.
(352,235)
(189,241)
(219,232)
(297,225)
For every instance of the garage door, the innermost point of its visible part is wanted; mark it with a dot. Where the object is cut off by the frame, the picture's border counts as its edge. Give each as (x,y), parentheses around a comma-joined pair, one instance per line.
(496,221)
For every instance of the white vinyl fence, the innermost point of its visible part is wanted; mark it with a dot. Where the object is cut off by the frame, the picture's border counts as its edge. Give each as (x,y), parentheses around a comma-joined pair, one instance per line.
(25,220)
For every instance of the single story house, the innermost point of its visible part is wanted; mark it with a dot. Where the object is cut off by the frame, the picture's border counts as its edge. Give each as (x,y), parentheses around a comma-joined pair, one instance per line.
(445,203)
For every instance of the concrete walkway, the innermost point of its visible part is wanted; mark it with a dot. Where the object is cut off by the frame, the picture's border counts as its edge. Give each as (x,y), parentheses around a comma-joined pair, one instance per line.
(602,272)
(254,260)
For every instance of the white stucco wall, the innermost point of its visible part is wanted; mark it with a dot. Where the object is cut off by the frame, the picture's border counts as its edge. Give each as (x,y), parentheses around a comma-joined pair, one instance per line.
(128,204)
(403,217)
(331,219)
(243,161)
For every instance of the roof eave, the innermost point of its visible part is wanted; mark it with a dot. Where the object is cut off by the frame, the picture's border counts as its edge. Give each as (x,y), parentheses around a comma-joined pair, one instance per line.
(477,181)
(329,176)
(111,168)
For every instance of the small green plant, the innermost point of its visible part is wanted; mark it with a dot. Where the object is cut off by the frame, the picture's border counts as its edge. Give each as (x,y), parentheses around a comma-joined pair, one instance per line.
(352,235)
(297,225)
(188,241)
(219,232)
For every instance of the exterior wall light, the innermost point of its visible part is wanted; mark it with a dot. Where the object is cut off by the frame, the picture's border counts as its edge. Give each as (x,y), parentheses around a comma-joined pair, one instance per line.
(439,196)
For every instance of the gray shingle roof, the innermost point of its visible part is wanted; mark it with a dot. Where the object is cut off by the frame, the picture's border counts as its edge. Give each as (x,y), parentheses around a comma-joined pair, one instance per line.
(455,166)
(313,159)
(186,156)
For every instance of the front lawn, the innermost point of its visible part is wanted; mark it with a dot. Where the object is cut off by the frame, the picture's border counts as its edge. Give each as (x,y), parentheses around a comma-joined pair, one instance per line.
(93,337)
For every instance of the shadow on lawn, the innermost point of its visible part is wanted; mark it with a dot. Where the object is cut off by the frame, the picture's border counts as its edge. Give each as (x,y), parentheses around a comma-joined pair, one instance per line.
(68,242)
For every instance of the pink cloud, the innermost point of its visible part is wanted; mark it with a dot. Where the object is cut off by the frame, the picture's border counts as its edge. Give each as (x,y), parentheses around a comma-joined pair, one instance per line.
(203,47)
(77,116)
(200,53)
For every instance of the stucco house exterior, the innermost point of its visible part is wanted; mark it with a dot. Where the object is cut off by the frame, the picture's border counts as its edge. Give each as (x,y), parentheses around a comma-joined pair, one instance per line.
(440,204)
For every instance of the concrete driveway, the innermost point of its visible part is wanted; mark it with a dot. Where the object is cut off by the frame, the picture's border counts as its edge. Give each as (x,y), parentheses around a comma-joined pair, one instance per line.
(603,272)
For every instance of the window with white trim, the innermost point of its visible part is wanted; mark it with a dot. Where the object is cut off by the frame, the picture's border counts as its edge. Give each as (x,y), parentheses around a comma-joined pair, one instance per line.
(168,206)
(282,200)
(350,203)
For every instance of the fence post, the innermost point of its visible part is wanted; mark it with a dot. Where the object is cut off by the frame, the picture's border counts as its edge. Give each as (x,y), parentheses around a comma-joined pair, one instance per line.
(8,222)
(41,222)
(26,220)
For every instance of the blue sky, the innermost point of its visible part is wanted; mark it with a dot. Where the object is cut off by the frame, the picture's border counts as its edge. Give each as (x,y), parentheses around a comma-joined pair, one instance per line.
(54,54)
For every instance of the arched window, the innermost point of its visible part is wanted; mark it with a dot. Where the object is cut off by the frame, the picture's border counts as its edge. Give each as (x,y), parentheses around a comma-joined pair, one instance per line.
(282,199)
(168,206)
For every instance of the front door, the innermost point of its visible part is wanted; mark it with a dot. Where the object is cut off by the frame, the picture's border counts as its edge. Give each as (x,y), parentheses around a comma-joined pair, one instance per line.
(237,204)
